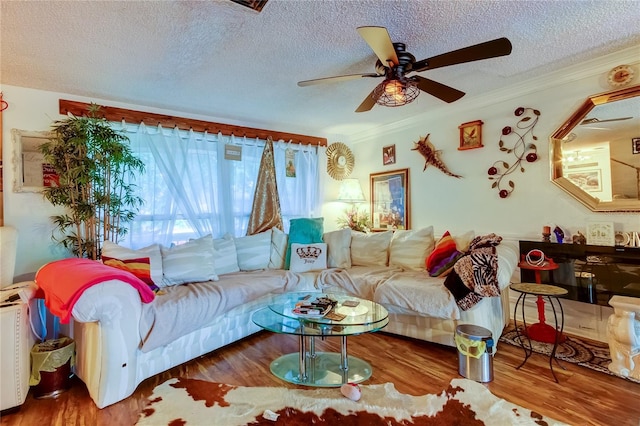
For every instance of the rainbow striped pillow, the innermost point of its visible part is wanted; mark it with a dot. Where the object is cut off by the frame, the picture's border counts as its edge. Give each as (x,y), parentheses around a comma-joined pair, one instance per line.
(443,256)
(140,267)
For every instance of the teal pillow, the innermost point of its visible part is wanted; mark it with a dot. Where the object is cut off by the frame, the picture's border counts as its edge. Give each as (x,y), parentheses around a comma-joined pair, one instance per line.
(304,231)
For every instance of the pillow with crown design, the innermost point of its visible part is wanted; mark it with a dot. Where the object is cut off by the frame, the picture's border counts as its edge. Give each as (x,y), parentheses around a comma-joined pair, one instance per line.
(308,257)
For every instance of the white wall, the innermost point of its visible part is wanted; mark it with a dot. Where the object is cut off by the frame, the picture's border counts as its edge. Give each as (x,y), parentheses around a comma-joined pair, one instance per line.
(470,202)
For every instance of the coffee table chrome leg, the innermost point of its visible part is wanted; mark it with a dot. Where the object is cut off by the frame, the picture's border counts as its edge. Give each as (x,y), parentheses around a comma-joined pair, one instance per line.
(312,358)
(344,360)
(302,360)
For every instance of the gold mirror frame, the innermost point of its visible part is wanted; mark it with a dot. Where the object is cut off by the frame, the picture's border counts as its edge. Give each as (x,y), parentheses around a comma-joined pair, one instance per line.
(556,155)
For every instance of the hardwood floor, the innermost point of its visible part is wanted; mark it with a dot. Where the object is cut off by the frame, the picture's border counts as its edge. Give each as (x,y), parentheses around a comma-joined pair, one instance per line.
(582,396)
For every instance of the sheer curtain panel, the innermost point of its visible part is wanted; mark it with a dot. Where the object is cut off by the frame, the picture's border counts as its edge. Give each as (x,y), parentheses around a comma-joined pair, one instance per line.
(191,190)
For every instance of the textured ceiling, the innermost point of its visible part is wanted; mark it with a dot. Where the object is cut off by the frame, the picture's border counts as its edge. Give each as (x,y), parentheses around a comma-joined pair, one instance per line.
(219,59)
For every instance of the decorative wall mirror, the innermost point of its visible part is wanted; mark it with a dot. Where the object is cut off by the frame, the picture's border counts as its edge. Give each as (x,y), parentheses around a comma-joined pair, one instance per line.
(595,154)
(31,173)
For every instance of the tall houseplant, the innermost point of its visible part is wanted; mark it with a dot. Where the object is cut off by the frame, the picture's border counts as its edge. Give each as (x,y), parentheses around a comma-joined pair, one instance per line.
(95,169)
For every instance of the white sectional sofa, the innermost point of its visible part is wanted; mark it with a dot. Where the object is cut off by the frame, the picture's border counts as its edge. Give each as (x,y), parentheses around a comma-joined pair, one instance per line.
(121,341)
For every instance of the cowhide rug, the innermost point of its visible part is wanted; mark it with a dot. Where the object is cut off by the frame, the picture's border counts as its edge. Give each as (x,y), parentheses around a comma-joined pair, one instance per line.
(197,402)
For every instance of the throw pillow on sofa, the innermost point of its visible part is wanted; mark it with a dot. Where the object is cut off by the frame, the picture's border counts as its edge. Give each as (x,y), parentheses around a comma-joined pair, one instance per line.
(304,231)
(225,257)
(409,248)
(254,251)
(444,256)
(463,240)
(192,261)
(338,248)
(278,249)
(308,257)
(116,251)
(140,267)
(370,249)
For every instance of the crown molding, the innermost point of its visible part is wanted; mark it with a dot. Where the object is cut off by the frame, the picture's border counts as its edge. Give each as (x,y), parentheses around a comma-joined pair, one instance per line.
(584,70)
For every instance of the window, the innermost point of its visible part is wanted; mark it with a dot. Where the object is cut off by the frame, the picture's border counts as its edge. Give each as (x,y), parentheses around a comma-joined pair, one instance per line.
(191,190)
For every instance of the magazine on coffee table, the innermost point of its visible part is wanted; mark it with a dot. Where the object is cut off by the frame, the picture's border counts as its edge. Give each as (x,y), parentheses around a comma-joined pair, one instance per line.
(316,308)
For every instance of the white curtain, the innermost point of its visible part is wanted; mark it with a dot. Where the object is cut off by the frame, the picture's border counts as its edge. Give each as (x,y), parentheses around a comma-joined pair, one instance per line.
(191,190)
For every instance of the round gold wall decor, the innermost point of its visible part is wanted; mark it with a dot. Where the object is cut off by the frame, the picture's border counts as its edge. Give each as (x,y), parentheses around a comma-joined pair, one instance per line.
(339,161)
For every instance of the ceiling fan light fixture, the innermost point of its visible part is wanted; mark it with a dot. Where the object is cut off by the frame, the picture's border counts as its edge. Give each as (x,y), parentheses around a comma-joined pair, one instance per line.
(396,92)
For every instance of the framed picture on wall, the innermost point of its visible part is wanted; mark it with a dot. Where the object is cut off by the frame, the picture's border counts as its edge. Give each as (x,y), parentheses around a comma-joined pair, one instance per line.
(390,200)
(388,155)
(635,145)
(587,180)
(471,135)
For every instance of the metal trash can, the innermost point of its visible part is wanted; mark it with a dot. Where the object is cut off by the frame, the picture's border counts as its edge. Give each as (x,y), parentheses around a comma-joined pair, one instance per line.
(475,352)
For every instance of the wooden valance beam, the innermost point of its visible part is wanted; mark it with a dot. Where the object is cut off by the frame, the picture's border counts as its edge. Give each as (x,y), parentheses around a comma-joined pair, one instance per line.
(150,119)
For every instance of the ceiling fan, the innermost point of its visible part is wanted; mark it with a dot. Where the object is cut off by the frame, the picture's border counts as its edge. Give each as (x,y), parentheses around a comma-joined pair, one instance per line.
(395,63)
(597,120)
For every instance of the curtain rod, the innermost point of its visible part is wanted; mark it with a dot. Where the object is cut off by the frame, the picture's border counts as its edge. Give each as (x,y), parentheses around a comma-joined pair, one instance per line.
(150,119)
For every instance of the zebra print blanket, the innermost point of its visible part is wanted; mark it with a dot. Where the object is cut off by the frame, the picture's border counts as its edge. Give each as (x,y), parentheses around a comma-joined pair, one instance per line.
(475,275)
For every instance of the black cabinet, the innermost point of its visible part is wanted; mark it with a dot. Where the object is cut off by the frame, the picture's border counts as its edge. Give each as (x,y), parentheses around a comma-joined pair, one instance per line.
(591,274)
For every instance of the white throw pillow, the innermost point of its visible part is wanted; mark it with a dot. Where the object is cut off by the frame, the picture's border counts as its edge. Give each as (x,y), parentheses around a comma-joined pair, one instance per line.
(409,248)
(463,240)
(254,251)
(116,251)
(370,249)
(193,261)
(338,248)
(308,257)
(278,249)
(226,259)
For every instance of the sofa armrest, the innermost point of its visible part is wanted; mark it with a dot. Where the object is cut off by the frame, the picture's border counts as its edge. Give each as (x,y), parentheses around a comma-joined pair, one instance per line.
(108,340)
(507,262)
(109,301)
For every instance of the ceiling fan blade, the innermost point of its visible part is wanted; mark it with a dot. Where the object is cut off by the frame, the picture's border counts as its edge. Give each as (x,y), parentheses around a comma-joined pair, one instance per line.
(597,120)
(439,90)
(378,39)
(336,79)
(489,49)
(368,103)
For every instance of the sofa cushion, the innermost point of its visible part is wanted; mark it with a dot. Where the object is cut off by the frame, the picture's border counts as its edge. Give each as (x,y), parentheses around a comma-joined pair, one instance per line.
(370,249)
(153,252)
(308,257)
(254,251)
(303,231)
(226,259)
(409,248)
(338,248)
(278,249)
(193,261)
(463,240)
(443,257)
(140,267)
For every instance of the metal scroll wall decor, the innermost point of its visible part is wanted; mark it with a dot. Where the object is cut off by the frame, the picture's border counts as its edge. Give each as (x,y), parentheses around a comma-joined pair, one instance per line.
(520,149)
(431,155)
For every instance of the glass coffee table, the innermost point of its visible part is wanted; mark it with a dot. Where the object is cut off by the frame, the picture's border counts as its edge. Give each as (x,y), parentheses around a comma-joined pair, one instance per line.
(322,369)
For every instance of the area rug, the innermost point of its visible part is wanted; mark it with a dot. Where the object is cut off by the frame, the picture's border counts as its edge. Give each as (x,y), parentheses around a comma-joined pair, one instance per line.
(197,402)
(586,353)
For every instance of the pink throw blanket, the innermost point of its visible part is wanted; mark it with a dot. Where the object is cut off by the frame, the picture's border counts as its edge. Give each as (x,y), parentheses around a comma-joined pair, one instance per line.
(64,281)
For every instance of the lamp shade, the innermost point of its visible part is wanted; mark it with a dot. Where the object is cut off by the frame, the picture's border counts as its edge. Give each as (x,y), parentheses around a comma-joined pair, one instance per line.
(351,191)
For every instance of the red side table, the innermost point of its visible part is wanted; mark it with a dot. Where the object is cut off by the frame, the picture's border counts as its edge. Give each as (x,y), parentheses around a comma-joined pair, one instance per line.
(541,331)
